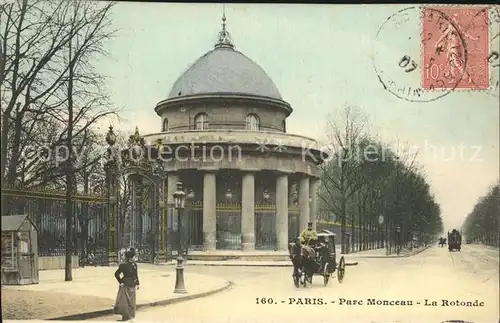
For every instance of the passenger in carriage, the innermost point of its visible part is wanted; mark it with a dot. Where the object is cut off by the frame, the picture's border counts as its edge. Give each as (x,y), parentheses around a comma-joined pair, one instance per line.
(321,249)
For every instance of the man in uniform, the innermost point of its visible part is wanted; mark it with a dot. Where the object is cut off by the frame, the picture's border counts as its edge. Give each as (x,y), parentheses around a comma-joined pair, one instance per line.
(308,236)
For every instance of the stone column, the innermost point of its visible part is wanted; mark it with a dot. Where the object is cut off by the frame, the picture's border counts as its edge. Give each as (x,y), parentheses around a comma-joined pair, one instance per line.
(282,211)
(313,192)
(304,202)
(209,211)
(248,212)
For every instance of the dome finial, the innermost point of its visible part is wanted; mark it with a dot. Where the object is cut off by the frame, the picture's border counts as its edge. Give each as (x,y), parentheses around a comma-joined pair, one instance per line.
(224,39)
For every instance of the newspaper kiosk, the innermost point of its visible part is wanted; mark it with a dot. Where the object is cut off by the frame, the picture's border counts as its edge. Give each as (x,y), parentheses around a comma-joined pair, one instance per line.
(19,250)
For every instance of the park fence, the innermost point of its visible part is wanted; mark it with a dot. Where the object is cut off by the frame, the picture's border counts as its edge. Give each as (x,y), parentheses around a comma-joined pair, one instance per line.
(48,210)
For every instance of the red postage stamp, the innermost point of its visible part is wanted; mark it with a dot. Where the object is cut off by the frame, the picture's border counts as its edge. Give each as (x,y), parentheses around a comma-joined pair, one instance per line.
(455,48)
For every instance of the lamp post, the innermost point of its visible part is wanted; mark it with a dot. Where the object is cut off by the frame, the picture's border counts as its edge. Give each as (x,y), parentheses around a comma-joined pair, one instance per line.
(179,200)
(398,239)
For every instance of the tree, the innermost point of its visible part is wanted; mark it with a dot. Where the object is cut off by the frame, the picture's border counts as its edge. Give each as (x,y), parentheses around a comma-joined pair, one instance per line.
(365,180)
(35,39)
(49,82)
(482,224)
(339,176)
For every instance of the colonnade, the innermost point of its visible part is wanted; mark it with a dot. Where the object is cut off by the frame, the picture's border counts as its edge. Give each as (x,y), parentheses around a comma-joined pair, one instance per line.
(307,207)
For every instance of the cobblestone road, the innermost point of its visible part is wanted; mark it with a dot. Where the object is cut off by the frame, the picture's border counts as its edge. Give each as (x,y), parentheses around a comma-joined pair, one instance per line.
(434,275)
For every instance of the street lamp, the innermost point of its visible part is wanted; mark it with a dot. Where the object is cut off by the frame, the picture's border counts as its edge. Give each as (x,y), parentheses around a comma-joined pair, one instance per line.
(398,237)
(228,194)
(179,200)
(190,195)
(266,195)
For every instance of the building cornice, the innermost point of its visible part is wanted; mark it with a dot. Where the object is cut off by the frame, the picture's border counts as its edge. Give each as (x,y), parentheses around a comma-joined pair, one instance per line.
(223,97)
(260,141)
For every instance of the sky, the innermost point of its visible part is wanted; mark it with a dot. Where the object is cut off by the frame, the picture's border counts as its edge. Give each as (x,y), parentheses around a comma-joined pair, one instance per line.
(321,57)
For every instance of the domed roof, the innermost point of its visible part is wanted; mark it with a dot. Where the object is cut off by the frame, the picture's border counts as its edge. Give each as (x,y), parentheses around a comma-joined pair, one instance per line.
(224,70)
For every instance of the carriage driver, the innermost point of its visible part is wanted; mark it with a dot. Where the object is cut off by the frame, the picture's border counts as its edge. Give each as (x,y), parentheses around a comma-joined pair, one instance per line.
(309,236)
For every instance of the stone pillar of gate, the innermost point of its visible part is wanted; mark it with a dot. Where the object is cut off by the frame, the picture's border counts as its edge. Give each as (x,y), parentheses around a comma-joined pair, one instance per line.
(313,193)
(163,215)
(172,179)
(248,211)
(112,171)
(304,202)
(133,216)
(156,209)
(282,212)
(209,211)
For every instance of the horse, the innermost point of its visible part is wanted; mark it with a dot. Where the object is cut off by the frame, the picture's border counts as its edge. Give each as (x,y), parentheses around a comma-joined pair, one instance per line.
(309,264)
(295,254)
(304,260)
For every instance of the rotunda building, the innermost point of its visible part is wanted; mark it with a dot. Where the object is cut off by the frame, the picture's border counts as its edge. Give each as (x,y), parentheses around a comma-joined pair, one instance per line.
(250,185)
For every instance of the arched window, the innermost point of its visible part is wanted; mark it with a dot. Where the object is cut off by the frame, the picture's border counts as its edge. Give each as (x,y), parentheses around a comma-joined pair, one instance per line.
(284,126)
(252,122)
(164,127)
(201,121)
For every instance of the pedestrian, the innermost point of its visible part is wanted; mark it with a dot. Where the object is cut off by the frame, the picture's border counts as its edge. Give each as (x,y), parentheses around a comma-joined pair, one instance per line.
(128,278)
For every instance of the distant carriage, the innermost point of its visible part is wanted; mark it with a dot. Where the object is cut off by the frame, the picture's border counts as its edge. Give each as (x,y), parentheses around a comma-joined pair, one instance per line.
(454,240)
(320,259)
(442,242)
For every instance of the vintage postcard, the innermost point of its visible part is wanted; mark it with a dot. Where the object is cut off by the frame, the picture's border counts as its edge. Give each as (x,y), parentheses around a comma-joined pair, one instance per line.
(231,163)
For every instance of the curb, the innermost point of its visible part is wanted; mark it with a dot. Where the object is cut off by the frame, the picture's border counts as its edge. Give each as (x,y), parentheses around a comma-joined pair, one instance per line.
(394,256)
(222,264)
(95,314)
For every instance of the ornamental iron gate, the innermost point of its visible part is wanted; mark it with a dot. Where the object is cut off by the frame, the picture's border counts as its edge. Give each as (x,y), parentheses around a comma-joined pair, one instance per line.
(104,225)
(137,214)
(143,219)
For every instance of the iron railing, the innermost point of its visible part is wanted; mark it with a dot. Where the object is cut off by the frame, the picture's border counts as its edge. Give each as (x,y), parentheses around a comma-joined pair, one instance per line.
(228,226)
(265,227)
(48,211)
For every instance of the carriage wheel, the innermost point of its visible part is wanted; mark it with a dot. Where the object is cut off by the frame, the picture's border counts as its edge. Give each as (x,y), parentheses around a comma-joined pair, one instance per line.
(326,274)
(341,269)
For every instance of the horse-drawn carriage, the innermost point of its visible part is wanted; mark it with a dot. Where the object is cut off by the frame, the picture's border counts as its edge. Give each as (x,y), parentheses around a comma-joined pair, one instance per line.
(320,259)
(442,242)
(454,240)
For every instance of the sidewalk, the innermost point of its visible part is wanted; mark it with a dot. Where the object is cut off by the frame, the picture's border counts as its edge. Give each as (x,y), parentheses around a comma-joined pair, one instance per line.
(486,246)
(156,289)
